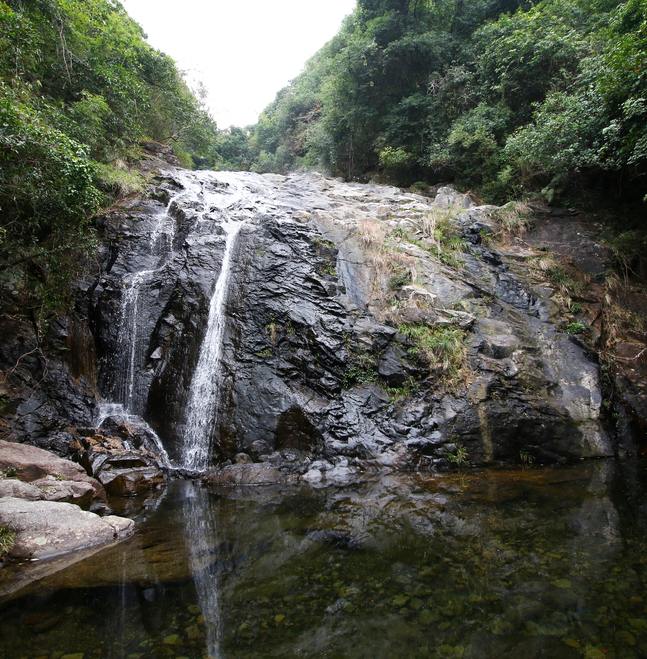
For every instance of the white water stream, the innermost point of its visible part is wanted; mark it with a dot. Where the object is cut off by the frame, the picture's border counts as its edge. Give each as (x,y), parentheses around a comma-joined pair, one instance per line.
(202,409)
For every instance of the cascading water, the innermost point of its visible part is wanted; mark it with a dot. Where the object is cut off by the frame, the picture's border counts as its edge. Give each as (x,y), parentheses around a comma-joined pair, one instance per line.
(207,206)
(131,351)
(202,409)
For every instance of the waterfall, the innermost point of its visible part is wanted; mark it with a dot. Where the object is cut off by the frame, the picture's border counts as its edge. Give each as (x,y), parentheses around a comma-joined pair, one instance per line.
(210,206)
(118,410)
(202,409)
(131,351)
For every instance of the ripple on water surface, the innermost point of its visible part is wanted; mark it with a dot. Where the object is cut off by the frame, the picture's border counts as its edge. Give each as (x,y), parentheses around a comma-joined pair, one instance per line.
(535,563)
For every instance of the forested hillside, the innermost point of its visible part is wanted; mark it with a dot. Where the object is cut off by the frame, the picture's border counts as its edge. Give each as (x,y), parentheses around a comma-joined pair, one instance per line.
(502,96)
(79,88)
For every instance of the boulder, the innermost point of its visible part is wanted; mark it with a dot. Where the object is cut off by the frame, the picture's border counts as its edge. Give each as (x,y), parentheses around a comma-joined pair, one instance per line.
(48,489)
(122,472)
(66,491)
(11,487)
(45,529)
(33,463)
(248,474)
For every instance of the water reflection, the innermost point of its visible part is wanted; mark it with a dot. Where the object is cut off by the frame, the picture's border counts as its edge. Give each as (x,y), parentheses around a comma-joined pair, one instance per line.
(543,563)
(199,514)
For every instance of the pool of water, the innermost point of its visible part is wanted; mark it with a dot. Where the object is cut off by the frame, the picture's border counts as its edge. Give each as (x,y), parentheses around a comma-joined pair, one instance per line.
(496,563)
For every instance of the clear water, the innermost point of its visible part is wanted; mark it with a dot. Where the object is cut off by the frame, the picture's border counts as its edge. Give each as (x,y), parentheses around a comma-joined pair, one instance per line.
(513,563)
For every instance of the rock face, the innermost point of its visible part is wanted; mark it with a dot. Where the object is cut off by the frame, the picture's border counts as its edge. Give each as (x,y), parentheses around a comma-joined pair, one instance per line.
(352,336)
(45,529)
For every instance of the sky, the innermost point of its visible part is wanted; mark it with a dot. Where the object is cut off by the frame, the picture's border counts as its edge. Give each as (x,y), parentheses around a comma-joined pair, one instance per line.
(243,51)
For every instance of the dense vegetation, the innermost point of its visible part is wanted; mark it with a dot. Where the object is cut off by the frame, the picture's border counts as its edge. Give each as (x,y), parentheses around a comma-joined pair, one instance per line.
(502,96)
(79,88)
(505,97)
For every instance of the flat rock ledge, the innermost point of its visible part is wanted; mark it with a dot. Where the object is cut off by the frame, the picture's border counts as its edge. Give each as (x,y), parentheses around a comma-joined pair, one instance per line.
(248,474)
(33,464)
(48,489)
(45,529)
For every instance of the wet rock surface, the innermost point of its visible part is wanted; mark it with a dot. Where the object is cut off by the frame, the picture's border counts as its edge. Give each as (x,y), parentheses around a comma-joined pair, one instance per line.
(313,357)
(121,470)
(330,289)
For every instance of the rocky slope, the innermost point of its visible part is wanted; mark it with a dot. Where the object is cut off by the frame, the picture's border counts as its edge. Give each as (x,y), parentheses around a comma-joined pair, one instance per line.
(366,327)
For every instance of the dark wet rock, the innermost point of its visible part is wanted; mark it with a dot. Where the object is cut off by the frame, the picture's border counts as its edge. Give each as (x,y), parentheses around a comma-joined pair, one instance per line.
(393,366)
(310,343)
(258,448)
(121,471)
(335,538)
(243,458)
(45,529)
(248,474)
(162,151)
(313,360)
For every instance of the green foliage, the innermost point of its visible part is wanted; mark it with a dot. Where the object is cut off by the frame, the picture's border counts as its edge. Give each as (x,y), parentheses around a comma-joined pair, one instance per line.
(575,328)
(47,194)
(118,182)
(79,88)
(401,277)
(459,456)
(362,369)
(526,457)
(442,347)
(510,98)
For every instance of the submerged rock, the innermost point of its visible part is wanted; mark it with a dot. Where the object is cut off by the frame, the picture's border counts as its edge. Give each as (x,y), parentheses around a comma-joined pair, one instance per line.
(248,474)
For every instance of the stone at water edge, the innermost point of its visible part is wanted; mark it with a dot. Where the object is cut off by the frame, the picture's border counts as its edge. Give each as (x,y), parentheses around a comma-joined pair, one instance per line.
(11,487)
(80,493)
(45,529)
(48,489)
(32,463)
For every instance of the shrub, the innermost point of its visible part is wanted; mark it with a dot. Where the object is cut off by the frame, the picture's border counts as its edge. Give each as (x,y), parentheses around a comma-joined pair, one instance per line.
(7,541)
(443,348)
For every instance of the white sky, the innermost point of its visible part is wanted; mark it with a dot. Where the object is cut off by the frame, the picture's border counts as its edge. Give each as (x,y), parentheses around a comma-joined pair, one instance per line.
(244,51)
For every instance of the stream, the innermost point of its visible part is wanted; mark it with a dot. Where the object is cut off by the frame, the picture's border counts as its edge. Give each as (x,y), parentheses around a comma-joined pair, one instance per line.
(536,562)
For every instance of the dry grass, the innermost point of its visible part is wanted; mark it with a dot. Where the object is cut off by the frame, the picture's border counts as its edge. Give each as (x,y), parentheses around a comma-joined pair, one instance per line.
(514,219)
(385,261)
(372,234)
(436,226)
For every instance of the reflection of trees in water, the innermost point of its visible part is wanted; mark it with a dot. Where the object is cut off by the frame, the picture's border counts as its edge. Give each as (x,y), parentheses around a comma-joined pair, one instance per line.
(201,538)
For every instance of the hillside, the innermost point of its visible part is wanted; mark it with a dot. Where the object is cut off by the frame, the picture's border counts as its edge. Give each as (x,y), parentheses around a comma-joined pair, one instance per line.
(502,96)
(79,89)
